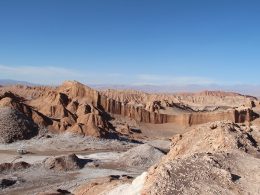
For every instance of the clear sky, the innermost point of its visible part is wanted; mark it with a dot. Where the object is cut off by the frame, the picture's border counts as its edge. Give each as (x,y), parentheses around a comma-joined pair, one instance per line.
(131,41)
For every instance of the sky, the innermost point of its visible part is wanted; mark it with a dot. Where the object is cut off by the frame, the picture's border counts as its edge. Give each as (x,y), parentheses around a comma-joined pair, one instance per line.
(131,41)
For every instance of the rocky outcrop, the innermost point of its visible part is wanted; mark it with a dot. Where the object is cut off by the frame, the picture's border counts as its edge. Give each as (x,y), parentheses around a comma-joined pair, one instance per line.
(73,107)
(70,107)
(77,108)
(9,99)
(64,163)
(14,126)
(6,167)
(137,113)
(213,158)
(6,182)
(207,160)
(149,112)
(142,115)
(192,100)
(143,156)
(90,124)
(234,115)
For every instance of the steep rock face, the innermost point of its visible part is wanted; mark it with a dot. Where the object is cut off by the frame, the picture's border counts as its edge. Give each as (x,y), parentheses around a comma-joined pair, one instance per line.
(90,124)
(234,115)
(193,100)
(77,99)
(70,107)
(142,115)
(8,99)
(78,91)
(77,108)
(135,112)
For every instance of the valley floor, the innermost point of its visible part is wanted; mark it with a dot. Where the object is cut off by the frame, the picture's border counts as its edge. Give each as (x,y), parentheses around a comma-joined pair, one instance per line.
(37,179)
(102,156)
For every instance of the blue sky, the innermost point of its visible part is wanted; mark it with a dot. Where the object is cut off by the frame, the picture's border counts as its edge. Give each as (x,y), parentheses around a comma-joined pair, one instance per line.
(131,42)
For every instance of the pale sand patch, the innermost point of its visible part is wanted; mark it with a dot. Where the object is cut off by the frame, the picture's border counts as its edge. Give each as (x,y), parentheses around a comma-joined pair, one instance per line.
(130,189)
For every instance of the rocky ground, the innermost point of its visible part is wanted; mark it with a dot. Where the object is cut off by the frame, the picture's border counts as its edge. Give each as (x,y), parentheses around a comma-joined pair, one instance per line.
(66,161)
(215,158)
(14,125)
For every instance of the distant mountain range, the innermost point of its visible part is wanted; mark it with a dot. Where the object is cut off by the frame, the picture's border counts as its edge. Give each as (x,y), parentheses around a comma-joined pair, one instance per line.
(253,90)
(14,82)
(242,88)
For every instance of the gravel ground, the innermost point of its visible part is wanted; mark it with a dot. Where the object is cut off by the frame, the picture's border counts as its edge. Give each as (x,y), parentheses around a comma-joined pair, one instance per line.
(142,156)
(14,125)
(39,179)
(67,142)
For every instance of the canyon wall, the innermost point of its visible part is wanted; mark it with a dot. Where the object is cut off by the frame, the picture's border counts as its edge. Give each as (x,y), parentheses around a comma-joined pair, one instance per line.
(141,115)
(237,116)
(78,108)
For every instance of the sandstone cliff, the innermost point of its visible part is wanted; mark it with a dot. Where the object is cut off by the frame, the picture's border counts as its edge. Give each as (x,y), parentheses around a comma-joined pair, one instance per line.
(140,114)
(194,100)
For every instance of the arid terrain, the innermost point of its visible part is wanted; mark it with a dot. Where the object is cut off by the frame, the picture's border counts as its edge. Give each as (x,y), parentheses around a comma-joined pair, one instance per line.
(73,139)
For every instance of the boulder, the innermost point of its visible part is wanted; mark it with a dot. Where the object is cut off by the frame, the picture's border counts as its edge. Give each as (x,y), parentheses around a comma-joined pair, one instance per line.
(64,163)
(6,182)
(21,165)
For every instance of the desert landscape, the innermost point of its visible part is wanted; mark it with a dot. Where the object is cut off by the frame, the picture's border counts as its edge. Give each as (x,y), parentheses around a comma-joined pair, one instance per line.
(129,97)
(72,139)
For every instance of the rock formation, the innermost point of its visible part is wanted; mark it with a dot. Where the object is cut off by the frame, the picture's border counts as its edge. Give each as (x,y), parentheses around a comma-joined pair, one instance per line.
(140,114)
(143,156)
(198,101)
(209,159)
(213,158)
(76,108)
(64,163)
(70,107)
(14,126)
(6,182)
(9,99)
(5,167)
